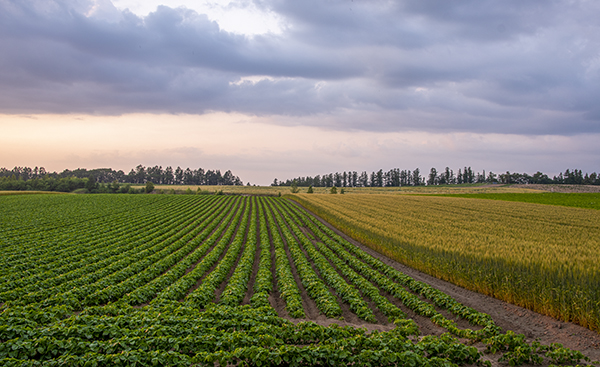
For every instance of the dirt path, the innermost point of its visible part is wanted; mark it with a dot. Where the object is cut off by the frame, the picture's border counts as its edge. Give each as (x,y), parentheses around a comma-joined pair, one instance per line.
(534,326)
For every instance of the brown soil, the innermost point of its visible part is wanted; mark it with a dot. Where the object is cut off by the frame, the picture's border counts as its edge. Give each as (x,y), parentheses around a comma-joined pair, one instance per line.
(534,326)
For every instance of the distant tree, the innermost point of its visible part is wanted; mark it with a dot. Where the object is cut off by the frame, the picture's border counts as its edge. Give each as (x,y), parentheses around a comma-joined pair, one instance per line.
(337,180)
(333,190)
(149,187)
(363,180)
(432,180)
(91,184)
(114,187)
(317,181)
(416,177)
(310,190)
(178,176)
(379,178)
(140,174)
(294,187)
(168,176)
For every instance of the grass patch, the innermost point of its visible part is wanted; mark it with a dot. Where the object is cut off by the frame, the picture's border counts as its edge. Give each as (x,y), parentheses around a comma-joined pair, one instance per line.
(577,200)
(6,193)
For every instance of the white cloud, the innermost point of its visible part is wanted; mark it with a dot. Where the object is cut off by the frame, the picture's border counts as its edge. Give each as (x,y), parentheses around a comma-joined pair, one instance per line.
(241,17)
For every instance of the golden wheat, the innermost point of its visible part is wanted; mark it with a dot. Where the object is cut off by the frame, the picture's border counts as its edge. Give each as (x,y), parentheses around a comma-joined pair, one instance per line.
(543,257)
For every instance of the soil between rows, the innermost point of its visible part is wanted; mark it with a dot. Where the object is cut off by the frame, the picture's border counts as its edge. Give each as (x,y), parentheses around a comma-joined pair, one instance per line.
(533,325)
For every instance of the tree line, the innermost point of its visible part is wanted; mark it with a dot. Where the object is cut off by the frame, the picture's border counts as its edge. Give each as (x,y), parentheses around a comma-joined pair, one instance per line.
(109,180)
(397,177)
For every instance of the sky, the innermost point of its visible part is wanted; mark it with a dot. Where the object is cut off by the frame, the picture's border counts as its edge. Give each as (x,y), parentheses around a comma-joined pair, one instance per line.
(280,89)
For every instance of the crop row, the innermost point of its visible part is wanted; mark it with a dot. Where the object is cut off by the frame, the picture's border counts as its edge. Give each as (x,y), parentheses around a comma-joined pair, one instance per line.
(237,284)
(205,293)
(368,289)
(177,269)
(203,338)
(131,251)
(315,287)
(184,336)
(67,246)
(74,237)
(346,291)
(219,239)
(286,284)
(263,284)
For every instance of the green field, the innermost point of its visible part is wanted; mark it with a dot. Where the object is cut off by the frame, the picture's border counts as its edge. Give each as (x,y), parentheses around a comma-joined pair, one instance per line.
(199,279)
(577,200)
(6,193)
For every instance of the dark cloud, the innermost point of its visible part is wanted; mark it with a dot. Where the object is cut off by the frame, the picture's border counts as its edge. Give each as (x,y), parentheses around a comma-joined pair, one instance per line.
(530,67)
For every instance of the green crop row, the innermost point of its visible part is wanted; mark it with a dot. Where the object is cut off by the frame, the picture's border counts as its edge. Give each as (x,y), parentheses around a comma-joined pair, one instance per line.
(286,284)
(368,289)
(78,237)
(72,249)
(228,336)
(221,237)
(149,290)
(315,287)
(205,293)
(347,292)
(237,284)
(114,266)
(263,284)
(156,264)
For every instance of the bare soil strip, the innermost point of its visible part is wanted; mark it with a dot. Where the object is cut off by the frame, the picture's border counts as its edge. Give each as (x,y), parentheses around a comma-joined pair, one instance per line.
(507,316)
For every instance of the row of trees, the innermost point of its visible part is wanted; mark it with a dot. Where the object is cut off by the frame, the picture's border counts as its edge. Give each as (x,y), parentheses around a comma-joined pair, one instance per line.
(137,175)
(397,177)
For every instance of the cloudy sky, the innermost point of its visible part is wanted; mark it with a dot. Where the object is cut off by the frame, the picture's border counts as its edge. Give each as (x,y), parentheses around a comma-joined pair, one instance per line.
(283,88)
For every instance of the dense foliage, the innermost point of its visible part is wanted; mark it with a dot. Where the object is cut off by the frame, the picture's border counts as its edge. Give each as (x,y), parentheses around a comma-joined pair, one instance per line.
(150,280)
(107,180)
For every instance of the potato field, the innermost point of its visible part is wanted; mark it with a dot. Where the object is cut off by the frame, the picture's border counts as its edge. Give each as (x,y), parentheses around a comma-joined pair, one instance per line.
(205,280)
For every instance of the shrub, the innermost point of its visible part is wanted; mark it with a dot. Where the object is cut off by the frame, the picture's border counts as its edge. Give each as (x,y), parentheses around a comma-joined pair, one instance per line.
(149,187)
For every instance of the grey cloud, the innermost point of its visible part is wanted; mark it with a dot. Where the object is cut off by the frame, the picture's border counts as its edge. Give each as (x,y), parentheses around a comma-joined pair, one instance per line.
(485,66)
